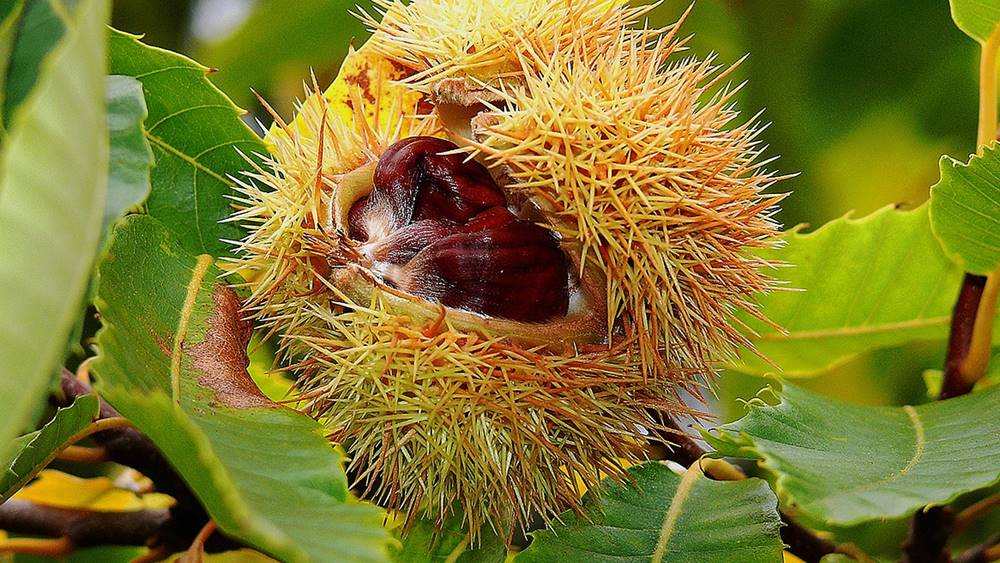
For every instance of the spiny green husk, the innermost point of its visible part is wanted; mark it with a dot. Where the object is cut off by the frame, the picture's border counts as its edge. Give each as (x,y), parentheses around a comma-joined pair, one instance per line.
(626,157)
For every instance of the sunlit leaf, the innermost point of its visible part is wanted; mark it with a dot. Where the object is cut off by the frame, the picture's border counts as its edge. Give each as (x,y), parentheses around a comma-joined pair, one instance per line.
(977,18)
(854,285)
(838,463)
(55,488)
(663,517)
(53,175)
(965,210)
(196,133)
(173,360)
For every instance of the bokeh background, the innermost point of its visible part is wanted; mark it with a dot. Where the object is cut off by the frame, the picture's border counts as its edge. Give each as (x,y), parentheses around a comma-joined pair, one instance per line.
(863,96)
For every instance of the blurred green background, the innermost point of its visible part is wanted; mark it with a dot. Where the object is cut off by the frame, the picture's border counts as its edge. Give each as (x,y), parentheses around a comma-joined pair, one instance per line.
(863,97)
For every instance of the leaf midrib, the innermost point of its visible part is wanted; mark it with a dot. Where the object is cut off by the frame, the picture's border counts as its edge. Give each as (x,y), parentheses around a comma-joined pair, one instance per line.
(674,512)
(193,289)
(928,322)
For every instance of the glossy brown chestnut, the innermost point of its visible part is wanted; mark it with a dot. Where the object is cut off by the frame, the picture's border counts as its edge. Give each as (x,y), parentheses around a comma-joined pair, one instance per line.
(437,226)
(414,182)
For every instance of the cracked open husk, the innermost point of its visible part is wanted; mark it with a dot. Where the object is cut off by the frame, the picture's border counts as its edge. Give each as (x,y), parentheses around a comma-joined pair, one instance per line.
(594,129)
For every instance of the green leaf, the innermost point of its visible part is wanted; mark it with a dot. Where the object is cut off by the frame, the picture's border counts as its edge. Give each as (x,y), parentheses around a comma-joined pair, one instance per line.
(451,544)
(39,448)
(855,285)
(9,26)
(977,18)
(131,157)
(842,464)
(128,172)
(52,185)
(196,133)
(662,517)
(965,210)
(35,28)
(173,360)
(934,379)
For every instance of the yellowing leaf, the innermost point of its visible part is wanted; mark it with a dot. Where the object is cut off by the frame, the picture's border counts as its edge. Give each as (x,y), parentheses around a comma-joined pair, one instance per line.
(364,87)
(55,488)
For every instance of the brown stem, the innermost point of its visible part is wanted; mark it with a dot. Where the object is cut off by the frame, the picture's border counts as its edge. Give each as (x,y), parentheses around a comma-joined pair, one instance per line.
(52,548)
(83,454)
(196,553)
(675,443)
(963,321)
(982,553)
(806,545)
(928,536)
(83,528)
(976,511)
(930,529)
(684,450)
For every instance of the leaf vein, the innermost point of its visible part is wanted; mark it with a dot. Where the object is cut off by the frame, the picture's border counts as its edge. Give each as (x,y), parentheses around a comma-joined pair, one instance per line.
(194,286)
(168,148)
(855,330)
(182,111)
(142,75)
(674,512)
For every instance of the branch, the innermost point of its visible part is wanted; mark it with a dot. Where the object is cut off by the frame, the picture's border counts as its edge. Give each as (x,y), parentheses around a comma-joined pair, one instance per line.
(981,345)
(963,322)
(927,539)
(83,528)
(976,511)
(928,536)
(131,448)
(982,553)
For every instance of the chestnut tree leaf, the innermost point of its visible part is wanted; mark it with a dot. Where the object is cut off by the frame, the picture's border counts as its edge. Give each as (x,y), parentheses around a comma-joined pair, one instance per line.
(835,463)
(131,157)
(662,517)
(10,26)
(196,134)
(977,18)
(53,177)
(172,359)
(37,449)
(965,210)
(29,31)
(853,286)
(128,171)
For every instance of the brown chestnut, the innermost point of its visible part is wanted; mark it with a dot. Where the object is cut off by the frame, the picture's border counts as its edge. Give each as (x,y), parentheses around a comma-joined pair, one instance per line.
(437,226)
